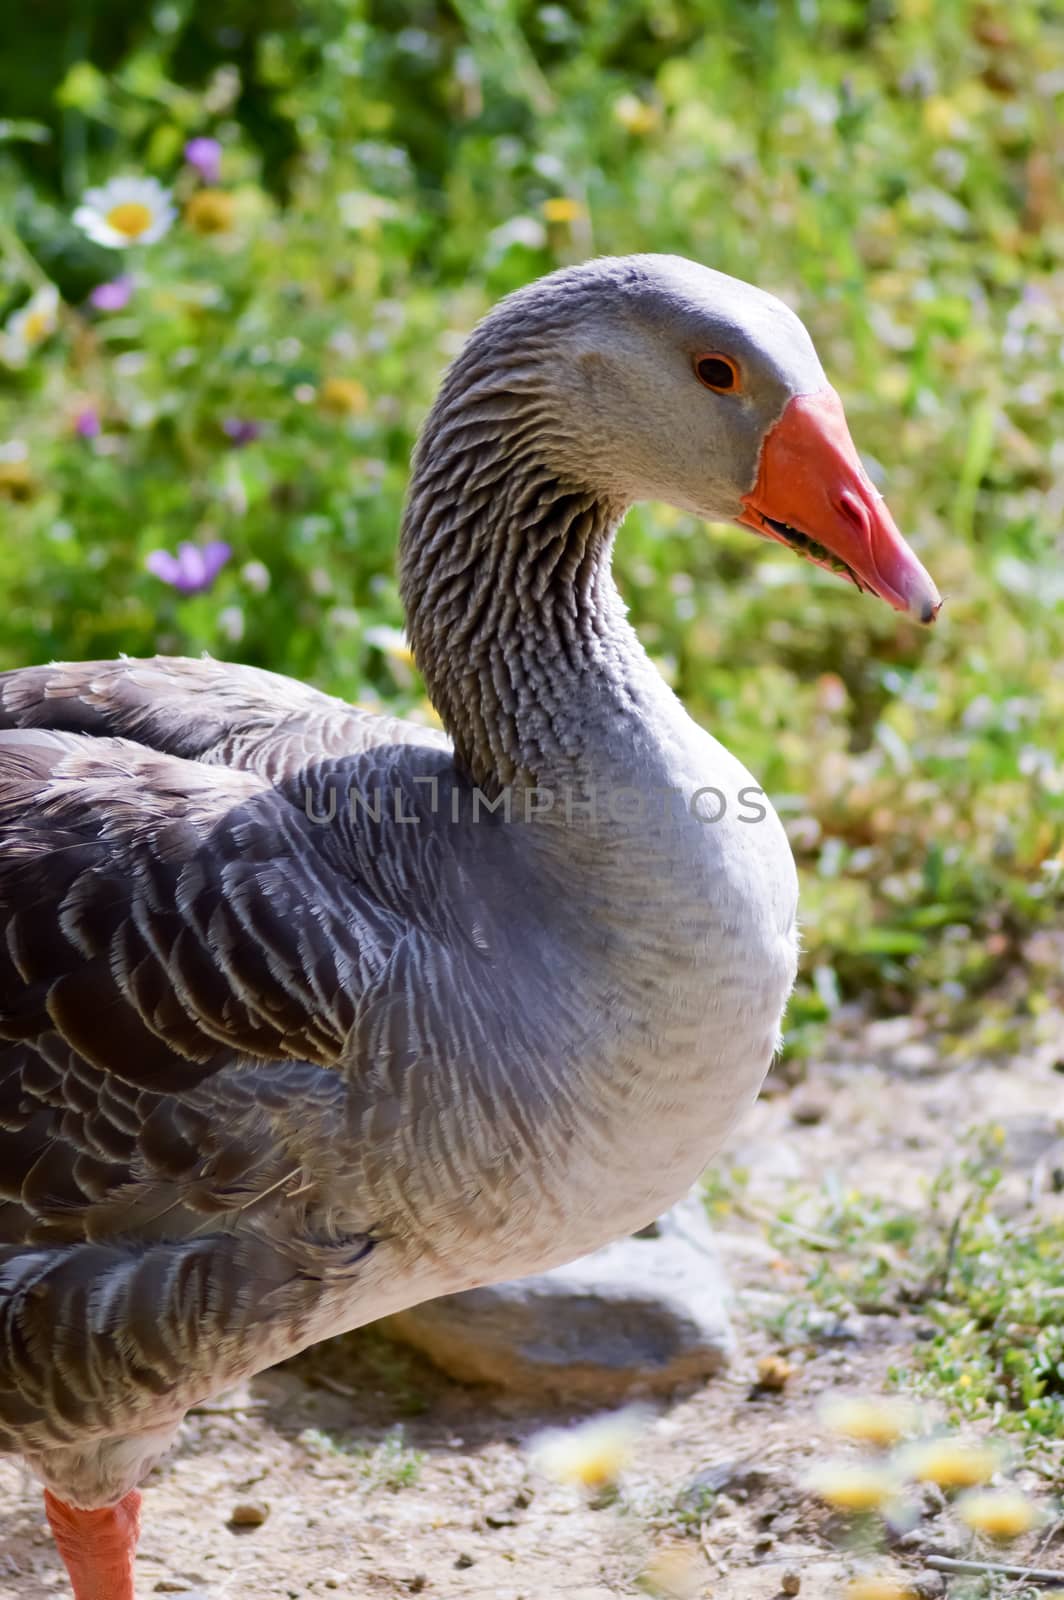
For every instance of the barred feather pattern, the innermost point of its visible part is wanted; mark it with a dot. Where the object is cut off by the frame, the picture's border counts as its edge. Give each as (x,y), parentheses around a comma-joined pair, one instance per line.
(294,1032)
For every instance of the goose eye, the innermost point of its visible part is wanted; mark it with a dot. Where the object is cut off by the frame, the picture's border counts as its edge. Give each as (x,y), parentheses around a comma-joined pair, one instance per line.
(717,372)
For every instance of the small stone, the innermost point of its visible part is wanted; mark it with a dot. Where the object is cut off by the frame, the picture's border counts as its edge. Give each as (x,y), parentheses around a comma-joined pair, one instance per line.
(249,1514)
(933,1500)
(738,1476)
(835,1327)
(915,1058)
(791,1582)
(773,1373)
(464,1561)
(809,1109)
(947,1541)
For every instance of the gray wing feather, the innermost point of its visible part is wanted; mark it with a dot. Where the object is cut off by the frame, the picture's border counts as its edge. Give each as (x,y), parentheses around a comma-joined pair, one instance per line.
(185,955)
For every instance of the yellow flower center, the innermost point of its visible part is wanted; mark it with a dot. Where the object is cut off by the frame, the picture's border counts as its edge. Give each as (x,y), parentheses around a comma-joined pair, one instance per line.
(343,397)
(36,326)
(563,209)
(131,218)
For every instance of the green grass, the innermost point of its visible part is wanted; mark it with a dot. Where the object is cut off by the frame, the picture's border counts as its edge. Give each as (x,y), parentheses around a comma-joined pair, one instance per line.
(390,1463)
(998,1307)
(979,1275)
(887,167)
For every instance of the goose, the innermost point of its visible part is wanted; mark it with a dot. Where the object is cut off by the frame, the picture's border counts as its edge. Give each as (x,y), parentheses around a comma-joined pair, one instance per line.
(310,1014)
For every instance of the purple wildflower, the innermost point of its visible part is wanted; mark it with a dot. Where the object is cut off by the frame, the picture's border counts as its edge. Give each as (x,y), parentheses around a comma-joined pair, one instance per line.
(87,423)
(241,430)
(193,569)
(112,296)
(206,156)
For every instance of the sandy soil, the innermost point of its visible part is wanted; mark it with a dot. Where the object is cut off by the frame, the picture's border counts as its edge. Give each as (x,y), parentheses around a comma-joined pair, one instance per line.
(312,1446)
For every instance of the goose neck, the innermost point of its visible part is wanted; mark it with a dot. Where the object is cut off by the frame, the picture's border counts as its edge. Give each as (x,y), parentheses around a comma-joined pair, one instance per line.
(513,615)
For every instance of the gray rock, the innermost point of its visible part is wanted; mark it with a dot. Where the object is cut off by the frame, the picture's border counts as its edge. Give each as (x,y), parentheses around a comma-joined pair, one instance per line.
(735,1477)
(641,1316)
(1030,1138)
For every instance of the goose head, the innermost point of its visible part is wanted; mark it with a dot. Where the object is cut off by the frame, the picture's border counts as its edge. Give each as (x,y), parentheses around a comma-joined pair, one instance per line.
(654,378)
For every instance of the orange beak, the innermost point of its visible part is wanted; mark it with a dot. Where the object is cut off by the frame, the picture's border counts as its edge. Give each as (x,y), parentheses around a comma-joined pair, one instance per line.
(813,494)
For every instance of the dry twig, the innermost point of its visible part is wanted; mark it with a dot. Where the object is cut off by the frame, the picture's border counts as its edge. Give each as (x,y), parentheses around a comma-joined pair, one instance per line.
(995,1568)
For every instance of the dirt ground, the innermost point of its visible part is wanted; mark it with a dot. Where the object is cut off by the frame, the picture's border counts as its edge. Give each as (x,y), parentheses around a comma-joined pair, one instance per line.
(346,1510)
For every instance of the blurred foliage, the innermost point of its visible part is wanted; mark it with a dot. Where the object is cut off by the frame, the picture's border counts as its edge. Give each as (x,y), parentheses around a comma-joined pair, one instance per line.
(891,167)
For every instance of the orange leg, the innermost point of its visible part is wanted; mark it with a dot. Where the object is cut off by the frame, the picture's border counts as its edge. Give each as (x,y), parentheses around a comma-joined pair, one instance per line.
(98,1547)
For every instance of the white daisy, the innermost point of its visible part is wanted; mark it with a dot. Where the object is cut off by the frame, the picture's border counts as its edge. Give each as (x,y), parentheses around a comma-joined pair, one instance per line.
(30,326)
(126,211)
(394,646)
(392,642)
(594,1452)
